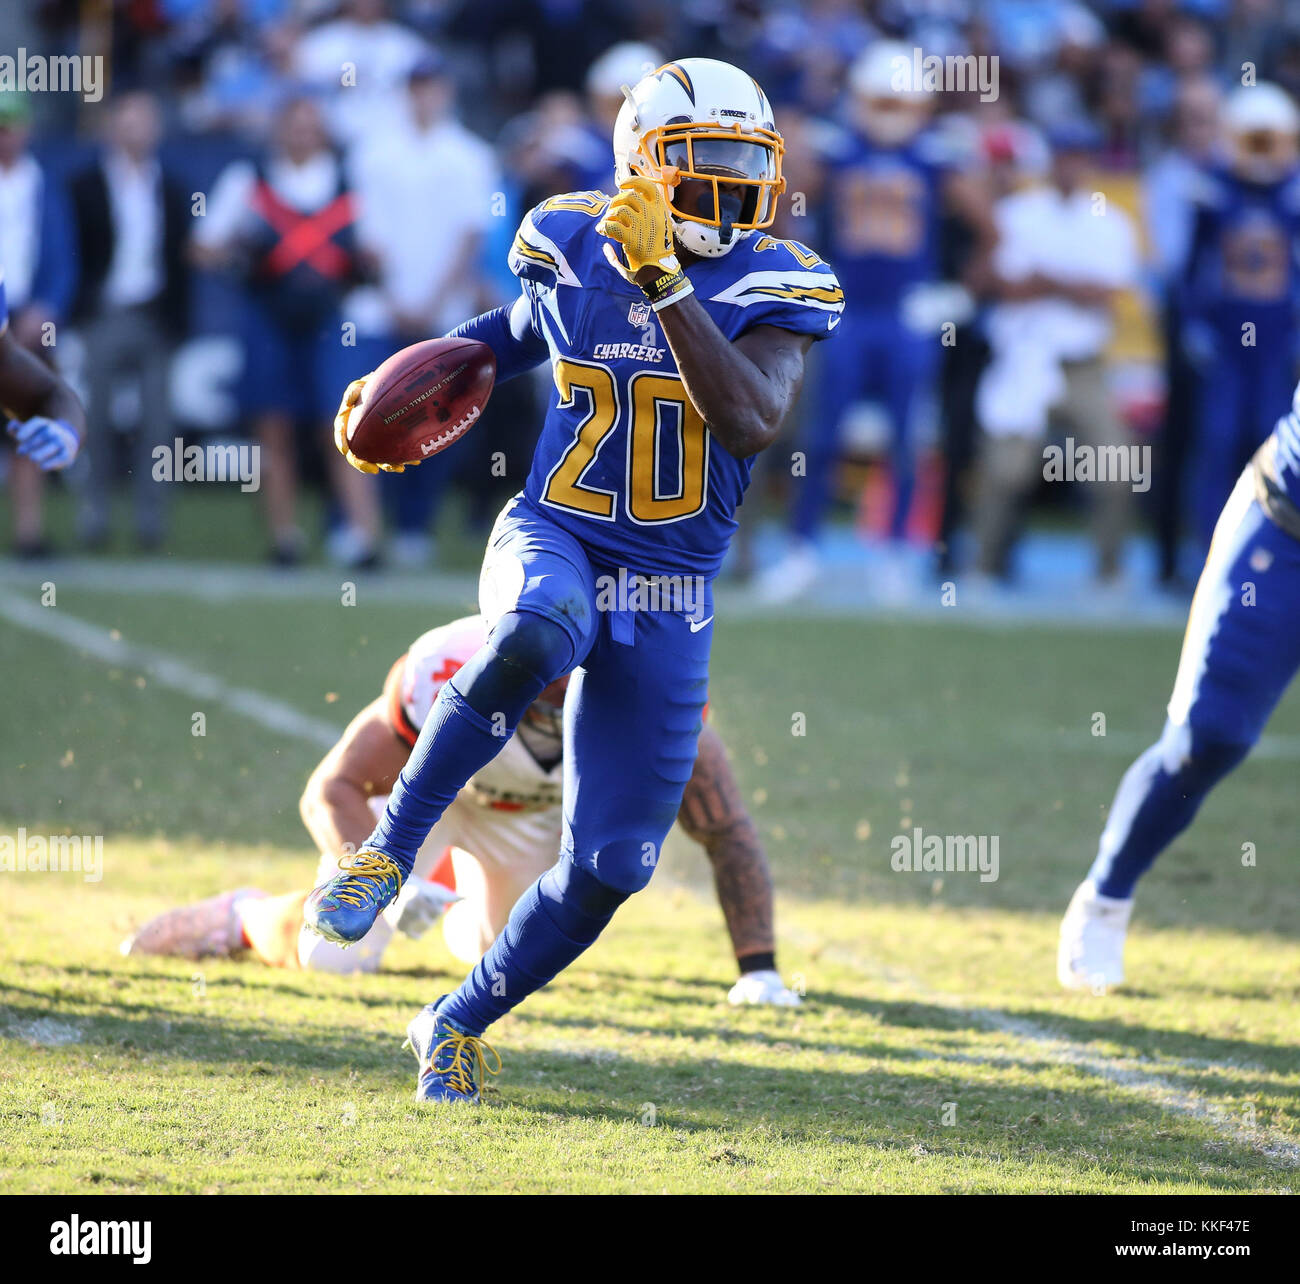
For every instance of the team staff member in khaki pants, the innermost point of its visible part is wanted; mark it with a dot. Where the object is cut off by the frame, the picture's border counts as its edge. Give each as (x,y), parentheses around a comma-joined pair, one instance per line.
(1063,254)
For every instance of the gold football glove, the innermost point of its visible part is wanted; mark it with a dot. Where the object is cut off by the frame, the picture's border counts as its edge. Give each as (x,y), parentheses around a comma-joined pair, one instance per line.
(351,396)
(639,222)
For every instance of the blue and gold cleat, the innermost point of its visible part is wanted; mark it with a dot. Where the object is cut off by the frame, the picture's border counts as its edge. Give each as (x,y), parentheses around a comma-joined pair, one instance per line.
(451,1061)
(344,908)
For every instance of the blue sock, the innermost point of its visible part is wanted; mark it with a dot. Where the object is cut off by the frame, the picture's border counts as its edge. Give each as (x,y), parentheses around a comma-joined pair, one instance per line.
(473,717)
(1153,806)
(553,922)
(454,743)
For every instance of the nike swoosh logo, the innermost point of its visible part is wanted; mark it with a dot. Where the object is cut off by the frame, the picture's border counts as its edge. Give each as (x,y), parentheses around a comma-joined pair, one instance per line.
(696,626)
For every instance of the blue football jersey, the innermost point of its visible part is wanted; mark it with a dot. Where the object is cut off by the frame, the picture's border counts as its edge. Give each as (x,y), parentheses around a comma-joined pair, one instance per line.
(624,461)
(1243,263)
(4,305)
(885,205)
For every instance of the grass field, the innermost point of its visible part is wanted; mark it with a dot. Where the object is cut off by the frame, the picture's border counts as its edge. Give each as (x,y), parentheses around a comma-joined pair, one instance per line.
(934,1051)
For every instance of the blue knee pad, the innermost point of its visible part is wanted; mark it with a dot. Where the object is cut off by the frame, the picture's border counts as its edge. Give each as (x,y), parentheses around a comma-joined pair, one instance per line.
(622,866)
(1212,756)
(525,653)
(538,644)
(586,901)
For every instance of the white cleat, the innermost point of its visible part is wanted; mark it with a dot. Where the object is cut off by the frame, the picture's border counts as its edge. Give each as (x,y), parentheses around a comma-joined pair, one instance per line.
(1091,952)
(763,988)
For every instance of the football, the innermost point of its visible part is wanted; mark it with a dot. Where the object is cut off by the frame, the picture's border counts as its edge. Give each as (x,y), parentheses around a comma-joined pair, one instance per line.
(422,400)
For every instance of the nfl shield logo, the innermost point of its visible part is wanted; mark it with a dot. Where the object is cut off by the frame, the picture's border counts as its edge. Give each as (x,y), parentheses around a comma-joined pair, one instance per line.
(638,314)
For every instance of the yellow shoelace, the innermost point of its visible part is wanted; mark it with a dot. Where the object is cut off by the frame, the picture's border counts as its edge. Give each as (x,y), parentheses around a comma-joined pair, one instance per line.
(466,1052)
(364,867)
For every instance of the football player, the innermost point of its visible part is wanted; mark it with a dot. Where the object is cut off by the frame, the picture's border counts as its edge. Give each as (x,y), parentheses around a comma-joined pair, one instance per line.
(676,332)
(889,183)
(1242,290)
(46,421)
(1240,652)
(495,839)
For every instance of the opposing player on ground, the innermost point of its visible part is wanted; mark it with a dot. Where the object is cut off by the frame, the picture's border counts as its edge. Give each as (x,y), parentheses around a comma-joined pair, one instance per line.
(676,332)
(496,839)
(45,419)
(1240,652)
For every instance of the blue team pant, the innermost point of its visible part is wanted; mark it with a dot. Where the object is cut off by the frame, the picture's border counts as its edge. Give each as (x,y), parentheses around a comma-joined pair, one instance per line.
(1240,652)
(632,720)
(874,354)
(1239,399)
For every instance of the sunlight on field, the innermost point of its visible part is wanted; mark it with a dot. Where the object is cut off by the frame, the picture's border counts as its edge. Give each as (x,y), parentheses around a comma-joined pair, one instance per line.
(934,1050)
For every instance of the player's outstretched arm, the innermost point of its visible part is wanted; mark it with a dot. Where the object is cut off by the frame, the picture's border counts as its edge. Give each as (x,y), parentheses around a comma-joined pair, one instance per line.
(48,422)
(508,331)
(335,805)
(714,815)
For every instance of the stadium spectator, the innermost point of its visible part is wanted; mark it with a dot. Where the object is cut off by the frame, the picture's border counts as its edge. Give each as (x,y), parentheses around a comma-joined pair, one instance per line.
(131,220)
(1062,91)
(359,64)
(287,226)
(36,253)
(1058,263)
(802,52)
(233,65)
(562,143)
(888,183)
(1242,290)
(551,148)
(1188,57)
(1007,151)
(564,37)
(1126,130)
(426,188)
(1169,188)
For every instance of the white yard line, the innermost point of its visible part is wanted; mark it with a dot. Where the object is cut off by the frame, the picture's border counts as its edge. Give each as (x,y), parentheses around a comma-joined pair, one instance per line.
(170,671)
(167,670)
(225,582)
(1048,1045)
(1168,1096)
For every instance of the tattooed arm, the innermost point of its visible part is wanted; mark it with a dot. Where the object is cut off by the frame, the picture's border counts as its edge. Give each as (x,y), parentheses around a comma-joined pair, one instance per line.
(714,814)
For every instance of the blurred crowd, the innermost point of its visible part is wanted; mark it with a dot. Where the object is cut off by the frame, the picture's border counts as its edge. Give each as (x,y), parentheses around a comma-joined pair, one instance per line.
(1082,232)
